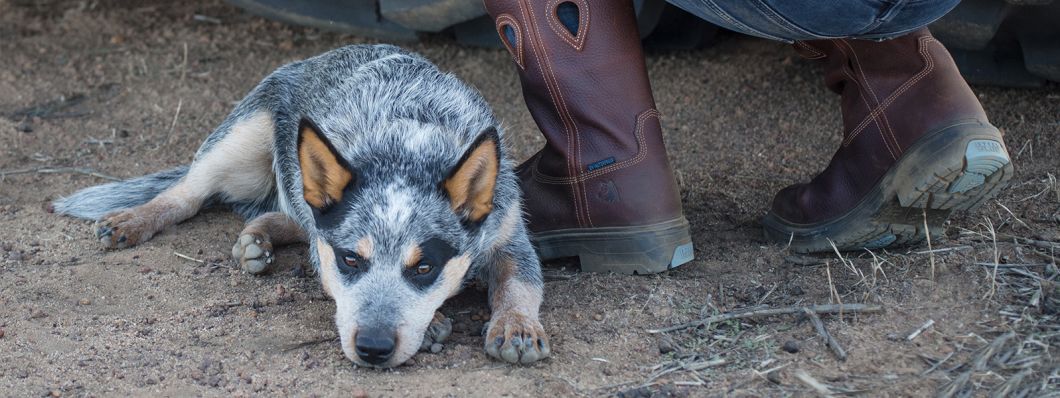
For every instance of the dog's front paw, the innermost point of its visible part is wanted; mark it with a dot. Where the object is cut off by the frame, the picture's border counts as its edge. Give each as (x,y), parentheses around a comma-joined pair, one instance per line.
(439,330)
(122,229)
(516,338)
(254,252)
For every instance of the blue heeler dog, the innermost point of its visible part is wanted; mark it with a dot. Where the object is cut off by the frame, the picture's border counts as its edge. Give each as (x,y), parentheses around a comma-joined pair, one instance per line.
(395,174)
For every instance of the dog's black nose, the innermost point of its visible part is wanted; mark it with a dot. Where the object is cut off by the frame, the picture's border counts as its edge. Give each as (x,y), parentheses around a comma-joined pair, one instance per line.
(375,346)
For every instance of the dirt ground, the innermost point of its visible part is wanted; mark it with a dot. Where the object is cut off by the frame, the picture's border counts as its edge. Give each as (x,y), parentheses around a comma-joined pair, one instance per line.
(90,89)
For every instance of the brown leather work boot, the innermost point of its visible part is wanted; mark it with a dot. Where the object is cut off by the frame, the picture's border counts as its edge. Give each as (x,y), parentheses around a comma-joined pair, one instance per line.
(916,146)
(601,189)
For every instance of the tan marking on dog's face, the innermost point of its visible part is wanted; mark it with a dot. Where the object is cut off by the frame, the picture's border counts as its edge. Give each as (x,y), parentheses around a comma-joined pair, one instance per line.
(417,315)
(412,255)
(329,276)
(323,175)
(364,247)
(470,187)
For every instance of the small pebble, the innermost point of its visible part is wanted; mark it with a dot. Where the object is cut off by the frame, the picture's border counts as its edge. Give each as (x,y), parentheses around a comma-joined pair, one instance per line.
(410,362)
(598,317)
(666,345)
(359,394)
(280,290)
(1,333)
(84,301)
(459,327)
(773,377)
(791,346)
(144,270)
(436,348)
(233,283)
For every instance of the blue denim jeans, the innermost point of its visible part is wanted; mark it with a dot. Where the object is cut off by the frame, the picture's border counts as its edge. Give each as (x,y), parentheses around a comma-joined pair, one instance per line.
(790,20)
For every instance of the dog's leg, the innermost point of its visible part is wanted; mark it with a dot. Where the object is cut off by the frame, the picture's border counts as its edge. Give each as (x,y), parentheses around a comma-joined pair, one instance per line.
(130,227)
(514,333)
(238,167)
(254,248)
(439,330)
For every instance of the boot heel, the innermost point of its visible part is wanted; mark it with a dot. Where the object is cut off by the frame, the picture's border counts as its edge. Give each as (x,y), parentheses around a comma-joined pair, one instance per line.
(975,172)
(636,250)
(955,169)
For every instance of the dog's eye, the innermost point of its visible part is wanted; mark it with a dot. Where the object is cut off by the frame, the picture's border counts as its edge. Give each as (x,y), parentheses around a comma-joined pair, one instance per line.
(424,268)
(351,261)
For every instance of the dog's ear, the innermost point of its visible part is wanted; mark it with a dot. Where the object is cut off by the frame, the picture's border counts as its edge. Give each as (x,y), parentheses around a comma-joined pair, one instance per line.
(470,184)
(324,174)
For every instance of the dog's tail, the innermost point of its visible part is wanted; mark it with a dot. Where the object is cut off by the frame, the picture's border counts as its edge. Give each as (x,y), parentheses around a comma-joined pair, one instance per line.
(95,202)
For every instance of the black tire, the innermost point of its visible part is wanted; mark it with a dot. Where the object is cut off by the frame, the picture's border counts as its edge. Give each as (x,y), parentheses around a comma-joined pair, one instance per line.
(998,42)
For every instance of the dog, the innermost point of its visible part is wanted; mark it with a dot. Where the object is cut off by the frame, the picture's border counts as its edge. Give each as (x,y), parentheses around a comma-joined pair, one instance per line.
(394,173)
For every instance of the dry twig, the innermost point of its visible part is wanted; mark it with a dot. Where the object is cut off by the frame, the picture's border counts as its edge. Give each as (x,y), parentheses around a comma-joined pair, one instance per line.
(920,330)
(978,364)
(828,339)
(819,309)
(189,258)
(808,380)
(59,170)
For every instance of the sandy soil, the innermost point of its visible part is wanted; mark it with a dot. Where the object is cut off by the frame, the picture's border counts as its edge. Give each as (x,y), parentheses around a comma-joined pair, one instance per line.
(127,88)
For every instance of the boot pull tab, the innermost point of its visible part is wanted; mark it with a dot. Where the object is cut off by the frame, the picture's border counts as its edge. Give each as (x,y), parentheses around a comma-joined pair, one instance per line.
(809,52)
(570,20)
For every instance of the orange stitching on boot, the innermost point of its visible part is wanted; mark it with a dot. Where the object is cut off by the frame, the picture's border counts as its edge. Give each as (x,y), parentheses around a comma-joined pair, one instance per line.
(531,33)
(817,54)
(929,66)
(573,165)
(883,116)
(517,53)
(861,94)
(851,137)
(557,100)
(640,156)
(583,23)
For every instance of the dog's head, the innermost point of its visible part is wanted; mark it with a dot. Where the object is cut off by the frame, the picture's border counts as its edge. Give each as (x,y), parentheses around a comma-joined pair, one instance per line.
(393,240)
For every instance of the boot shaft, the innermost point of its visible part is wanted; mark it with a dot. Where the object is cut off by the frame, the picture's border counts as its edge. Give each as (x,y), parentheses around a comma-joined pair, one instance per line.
(898,88)
(585,83)
(583,77)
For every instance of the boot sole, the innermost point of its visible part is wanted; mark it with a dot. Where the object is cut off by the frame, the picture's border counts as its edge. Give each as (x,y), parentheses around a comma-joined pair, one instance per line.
(639,250)
(955,169)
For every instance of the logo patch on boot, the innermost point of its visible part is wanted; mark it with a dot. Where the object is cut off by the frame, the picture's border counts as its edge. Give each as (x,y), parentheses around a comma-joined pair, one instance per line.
(607,191)
(603,163)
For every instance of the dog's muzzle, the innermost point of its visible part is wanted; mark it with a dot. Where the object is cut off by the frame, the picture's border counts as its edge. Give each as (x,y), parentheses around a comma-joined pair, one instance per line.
(375,346)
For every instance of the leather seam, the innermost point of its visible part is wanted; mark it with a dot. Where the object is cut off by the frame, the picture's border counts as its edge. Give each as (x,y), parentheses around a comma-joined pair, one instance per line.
(868,86)
(639,157)
(929,66)
(861,94)
(561,108)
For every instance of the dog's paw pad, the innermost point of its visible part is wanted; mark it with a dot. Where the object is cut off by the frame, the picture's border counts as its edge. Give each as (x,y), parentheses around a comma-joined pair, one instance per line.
(254,253)
(438,331)
(121,229)
(515,338)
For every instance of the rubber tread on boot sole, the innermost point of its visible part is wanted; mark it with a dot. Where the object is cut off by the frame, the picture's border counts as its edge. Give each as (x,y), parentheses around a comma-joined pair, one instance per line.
(954,169)
(635,250)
